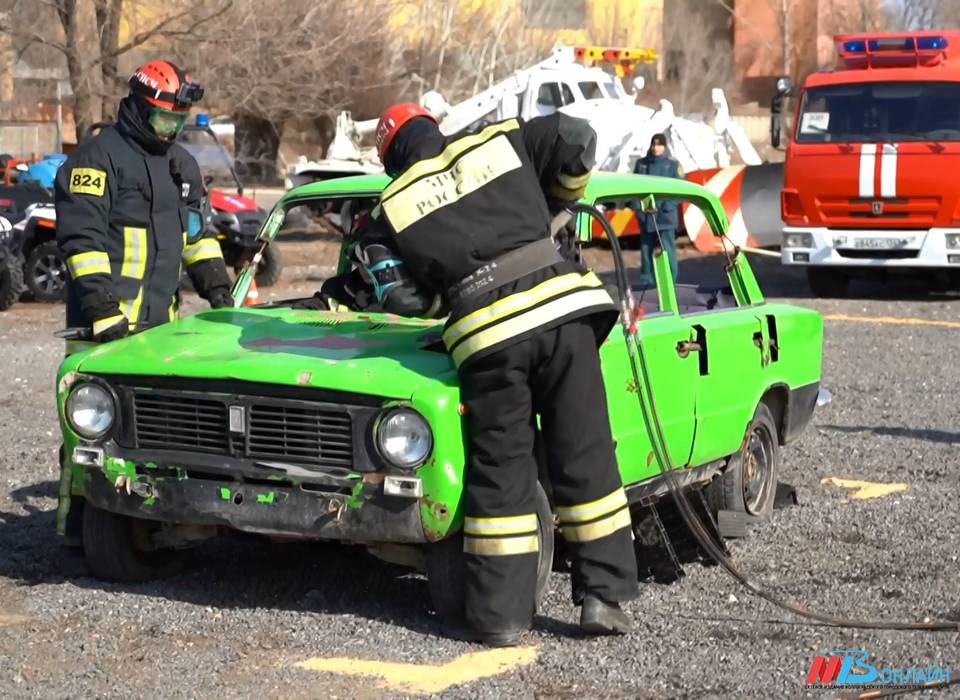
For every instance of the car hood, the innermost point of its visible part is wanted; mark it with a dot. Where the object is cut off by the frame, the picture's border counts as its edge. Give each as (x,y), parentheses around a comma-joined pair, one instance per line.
(376,354)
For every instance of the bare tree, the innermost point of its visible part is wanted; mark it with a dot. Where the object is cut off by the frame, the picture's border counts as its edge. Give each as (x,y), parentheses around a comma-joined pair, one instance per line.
(87,34)
(917,14)
(301,59)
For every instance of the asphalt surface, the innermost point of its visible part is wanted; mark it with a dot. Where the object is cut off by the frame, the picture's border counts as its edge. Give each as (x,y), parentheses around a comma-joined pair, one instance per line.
(242,618)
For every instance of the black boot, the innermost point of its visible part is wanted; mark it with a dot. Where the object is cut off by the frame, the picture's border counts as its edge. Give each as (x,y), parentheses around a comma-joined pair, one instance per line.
(459,629)
(599,617)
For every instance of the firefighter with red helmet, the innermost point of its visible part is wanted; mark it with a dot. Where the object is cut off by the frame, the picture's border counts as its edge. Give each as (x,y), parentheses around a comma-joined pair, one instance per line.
(464,228)
(129,213)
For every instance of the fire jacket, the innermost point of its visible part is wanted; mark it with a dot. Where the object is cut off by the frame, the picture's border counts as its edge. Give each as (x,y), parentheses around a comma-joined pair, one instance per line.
(453,216)
(122,223)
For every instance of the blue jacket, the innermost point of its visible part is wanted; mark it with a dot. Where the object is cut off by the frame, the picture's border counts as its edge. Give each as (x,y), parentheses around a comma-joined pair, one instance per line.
(666,216)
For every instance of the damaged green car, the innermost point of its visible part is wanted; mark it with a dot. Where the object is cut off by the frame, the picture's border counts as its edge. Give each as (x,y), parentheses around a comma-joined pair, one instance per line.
(310,424)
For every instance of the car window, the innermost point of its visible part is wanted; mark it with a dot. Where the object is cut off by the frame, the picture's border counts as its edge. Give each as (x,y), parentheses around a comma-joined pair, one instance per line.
(549,95)
(591,90)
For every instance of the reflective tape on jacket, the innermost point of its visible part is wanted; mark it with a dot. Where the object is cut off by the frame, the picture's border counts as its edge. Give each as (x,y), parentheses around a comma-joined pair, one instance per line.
(134,252)
(105,323)
(475,169)
(510,525)
(515,303)
(94,262)
(131,308)
(528,321)
(204,249)
(501,546)
(443,159)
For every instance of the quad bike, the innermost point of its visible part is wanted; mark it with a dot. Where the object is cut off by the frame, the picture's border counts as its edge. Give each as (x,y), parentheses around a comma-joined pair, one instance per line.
(234,219)
(11,265)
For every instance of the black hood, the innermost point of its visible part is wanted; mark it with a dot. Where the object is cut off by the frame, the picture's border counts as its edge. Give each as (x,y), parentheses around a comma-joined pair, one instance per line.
(133,121)
(419,138)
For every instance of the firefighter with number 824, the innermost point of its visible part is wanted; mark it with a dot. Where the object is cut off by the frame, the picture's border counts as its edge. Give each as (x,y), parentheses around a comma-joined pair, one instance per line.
(129,215)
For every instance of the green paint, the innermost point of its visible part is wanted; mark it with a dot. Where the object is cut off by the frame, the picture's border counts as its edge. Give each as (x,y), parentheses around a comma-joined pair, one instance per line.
(381,355)
(266,497)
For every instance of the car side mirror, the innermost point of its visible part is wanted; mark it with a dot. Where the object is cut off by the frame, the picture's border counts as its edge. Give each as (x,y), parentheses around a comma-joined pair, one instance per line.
(639,83)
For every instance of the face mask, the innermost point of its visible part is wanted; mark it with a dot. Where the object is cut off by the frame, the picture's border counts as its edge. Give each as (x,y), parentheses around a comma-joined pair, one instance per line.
(167,123)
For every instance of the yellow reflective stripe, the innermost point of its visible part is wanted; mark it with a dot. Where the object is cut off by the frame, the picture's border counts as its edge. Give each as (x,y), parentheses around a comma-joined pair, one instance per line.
(173,310)
(446,156)
(518,302)
(501,546)
(204,249)
(131,308)
(134,252)
(573,182)
(474,170)
(94,262)
(105,323)
(594,509)
(594,531)
(529,320)
(512,525)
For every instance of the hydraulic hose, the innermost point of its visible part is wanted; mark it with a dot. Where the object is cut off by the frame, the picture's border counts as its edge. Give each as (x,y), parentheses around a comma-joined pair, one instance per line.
(641,378)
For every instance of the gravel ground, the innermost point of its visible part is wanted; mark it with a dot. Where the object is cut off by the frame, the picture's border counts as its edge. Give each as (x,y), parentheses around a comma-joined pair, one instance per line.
(240,619)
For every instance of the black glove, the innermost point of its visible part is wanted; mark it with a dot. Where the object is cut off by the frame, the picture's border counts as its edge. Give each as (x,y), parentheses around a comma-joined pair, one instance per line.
(115,331)
(220,298)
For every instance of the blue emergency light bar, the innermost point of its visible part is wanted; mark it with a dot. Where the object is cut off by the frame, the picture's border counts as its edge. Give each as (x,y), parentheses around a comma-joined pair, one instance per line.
(203,119)
(907,43)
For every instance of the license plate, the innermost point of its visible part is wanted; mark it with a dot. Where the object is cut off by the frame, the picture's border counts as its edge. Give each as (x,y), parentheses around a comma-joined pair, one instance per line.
(881,243)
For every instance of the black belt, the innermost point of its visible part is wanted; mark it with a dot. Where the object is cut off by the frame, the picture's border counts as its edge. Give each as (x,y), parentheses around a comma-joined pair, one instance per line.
(505,269)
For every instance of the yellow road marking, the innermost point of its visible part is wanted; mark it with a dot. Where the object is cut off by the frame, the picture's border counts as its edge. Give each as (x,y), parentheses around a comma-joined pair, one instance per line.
(864,489)
(428,678)
(892,320)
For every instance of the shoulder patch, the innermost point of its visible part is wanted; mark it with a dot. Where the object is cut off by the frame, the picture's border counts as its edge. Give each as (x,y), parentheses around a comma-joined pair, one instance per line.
(88,181)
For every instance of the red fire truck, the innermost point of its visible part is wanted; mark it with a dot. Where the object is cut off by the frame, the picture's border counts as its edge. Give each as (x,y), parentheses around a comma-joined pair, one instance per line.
(872,173)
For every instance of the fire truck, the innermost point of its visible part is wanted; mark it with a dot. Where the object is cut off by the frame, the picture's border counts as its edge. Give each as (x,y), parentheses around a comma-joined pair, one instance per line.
(870,179)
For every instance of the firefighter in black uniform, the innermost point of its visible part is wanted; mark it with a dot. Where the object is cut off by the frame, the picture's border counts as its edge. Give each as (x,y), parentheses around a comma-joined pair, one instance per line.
(464,226)
(129,214)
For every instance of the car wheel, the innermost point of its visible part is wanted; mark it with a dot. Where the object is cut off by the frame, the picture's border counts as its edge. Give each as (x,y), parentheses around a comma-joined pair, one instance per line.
(117,548)
(11,282)
(749,483)
(827,282)
(446,570)
(45,273)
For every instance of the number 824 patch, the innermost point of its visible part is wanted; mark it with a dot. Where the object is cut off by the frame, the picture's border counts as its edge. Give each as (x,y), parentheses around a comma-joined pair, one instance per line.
(88,181)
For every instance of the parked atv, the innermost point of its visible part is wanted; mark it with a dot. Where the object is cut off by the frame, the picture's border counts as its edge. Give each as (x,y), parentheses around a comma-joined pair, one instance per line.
(11,265)
(234,218)
(44,267)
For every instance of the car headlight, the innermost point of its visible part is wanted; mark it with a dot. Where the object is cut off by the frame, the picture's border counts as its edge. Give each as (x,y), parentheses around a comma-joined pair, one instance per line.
(798,240)
(953,240)
(91,410)
(404,438)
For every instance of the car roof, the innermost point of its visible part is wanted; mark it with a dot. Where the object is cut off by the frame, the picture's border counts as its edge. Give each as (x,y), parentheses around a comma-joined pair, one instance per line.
(601,186)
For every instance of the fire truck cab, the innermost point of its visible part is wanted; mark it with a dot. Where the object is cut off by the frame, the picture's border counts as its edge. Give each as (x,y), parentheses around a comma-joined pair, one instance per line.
(871,175)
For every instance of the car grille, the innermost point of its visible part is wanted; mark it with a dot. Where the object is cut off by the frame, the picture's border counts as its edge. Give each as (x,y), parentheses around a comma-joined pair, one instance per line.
(177,422)
(289,430)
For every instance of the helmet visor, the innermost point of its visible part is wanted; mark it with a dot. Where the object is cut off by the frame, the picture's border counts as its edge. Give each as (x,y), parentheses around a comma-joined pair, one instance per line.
(166,122)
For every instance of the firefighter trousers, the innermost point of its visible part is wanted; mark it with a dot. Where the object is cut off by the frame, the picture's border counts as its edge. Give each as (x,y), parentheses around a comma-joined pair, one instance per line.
(555,374)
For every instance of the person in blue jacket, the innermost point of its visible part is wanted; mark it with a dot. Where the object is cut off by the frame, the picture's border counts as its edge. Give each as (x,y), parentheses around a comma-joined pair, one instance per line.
(666,218)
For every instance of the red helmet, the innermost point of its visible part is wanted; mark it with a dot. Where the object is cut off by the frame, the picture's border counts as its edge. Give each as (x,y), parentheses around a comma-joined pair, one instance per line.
(164,85)
(392,119)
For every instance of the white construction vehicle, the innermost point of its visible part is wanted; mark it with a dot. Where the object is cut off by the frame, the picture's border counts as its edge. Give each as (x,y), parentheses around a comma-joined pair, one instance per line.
(568,81)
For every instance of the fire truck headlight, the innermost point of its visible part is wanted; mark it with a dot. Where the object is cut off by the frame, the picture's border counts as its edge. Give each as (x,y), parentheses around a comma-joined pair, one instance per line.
(953,241)
(797,240)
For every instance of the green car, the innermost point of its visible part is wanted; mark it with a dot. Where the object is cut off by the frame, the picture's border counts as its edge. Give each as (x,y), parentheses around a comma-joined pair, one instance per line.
(296,423)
